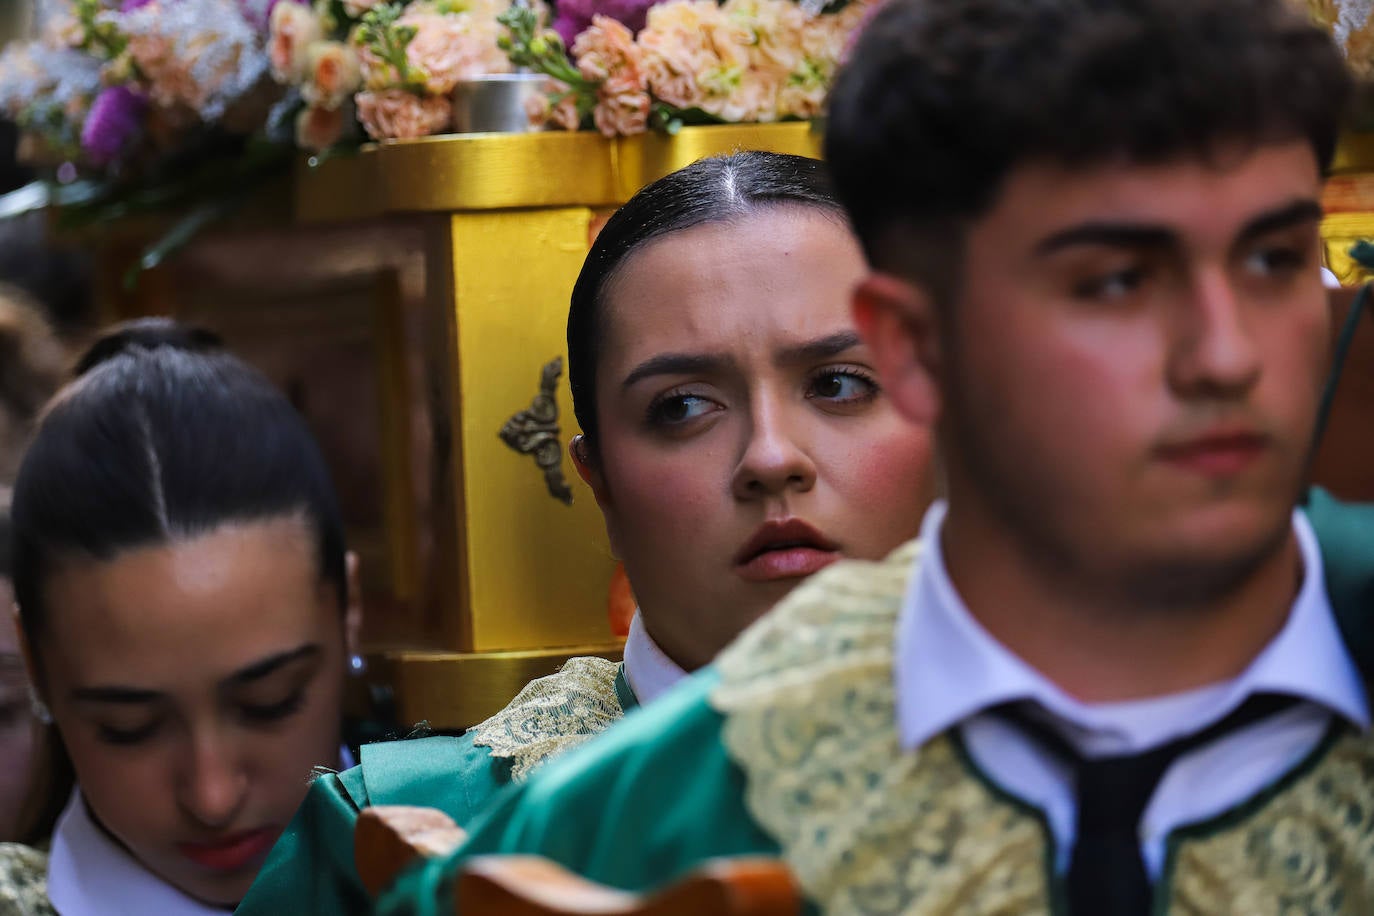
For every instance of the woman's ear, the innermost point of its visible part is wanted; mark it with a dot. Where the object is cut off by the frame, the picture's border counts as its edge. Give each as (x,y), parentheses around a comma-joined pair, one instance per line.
(899,323)
(589,469)
(353,613)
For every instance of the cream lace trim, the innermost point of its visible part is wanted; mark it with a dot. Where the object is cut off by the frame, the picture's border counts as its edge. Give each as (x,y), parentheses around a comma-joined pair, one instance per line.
(553,714)
(868,829)
(1307,851)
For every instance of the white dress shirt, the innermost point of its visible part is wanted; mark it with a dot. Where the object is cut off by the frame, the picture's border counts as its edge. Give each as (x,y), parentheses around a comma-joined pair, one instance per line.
(949,670)
(649,672)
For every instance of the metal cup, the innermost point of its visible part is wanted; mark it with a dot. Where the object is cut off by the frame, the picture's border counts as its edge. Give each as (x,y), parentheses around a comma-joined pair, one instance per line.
(496,103)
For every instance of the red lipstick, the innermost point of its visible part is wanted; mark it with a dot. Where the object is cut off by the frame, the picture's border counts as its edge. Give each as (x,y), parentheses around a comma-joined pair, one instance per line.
(785,549)
(232,852)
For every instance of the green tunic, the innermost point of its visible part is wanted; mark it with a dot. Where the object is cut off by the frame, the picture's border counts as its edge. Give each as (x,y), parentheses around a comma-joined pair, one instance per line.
(310,870)
(788,748)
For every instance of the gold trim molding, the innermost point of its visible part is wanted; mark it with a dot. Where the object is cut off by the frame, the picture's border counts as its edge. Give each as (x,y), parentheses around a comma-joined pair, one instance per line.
(511,171)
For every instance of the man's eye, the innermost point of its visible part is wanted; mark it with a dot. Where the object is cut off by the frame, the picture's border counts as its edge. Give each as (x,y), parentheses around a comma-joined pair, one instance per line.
(1277,260)
(1114,285)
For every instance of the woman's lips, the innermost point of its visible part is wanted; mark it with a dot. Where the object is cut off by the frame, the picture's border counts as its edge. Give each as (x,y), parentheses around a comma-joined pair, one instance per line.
(786,563)
(232,853)
(784,549)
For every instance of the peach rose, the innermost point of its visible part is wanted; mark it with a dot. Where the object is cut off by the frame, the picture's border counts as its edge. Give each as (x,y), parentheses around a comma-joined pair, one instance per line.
(319,128)
(292,30)
(335,74)
(449,47)
(396,113)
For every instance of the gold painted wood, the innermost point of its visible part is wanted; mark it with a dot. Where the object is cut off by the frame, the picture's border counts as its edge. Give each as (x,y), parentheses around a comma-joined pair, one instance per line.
(648,157)
(460,689)
(538,571)
(496,171)
(503,171)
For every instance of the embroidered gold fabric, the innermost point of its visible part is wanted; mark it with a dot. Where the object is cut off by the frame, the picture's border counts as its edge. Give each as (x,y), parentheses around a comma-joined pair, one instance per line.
(1309,850)
(553,714)
(810,717)
(24,881)
(870,829)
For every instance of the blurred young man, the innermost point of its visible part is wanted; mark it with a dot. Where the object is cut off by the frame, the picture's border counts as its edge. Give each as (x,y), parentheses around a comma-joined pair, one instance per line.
(1121,669)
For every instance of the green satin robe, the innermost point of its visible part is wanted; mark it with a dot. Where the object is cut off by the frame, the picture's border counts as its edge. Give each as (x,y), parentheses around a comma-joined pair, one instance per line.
(311,870)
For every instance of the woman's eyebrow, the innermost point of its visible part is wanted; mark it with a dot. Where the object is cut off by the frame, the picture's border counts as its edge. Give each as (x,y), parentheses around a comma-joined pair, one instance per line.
(255,671)
(272,663)
(677,364)
(822,348)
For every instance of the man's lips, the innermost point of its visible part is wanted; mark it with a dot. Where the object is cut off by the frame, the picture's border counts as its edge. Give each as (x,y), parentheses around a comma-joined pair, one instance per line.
(232,852)
(786,549)
(1219,454)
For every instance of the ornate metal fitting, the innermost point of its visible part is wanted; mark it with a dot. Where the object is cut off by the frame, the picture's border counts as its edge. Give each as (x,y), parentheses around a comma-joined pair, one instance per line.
(535,432)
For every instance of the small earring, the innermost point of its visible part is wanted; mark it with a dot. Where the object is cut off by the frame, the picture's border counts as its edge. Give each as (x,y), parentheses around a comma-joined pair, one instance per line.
(357,665)
(39,708)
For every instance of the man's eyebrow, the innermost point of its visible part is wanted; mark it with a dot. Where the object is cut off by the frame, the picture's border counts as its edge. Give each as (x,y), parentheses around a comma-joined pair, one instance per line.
(1111,235)
(1280,218)
(821,348)
(262,669)
(676,364)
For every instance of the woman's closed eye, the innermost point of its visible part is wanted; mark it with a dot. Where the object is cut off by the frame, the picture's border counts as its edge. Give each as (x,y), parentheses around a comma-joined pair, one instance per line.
(274,711)
(843,386)
(124,735)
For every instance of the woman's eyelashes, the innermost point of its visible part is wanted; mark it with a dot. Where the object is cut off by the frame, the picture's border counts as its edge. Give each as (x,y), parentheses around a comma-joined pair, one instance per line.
(249,714)
(831,386)
(678,407)
(843,386)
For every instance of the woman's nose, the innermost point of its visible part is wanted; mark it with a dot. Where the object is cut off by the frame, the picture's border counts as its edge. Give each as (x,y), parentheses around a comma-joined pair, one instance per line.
(213,785)
(774,460)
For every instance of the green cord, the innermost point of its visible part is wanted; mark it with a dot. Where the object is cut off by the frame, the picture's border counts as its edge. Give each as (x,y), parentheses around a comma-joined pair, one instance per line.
(1347,338)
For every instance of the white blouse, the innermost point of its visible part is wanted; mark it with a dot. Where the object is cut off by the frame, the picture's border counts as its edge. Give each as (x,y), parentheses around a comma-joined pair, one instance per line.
(89,874)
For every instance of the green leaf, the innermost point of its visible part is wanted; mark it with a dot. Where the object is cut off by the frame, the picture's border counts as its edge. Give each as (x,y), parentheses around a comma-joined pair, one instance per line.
(182,232)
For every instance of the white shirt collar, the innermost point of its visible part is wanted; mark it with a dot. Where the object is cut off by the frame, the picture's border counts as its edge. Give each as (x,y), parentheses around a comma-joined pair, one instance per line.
(89,874)
(649,672)
(949,668)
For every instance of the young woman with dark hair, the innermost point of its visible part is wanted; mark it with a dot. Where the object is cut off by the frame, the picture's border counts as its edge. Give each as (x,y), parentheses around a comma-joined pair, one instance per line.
(187,613)
(736,441)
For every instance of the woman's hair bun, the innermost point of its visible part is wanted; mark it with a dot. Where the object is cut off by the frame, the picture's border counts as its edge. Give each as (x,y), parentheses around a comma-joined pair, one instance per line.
(147,334)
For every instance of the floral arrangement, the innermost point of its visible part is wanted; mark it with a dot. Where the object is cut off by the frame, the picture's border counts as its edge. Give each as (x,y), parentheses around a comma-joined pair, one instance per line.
(694,61)
(108,85)
(394,64)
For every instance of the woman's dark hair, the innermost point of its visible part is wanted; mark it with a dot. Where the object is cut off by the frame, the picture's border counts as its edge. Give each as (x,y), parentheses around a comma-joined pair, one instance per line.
(941,101)
(163,436)
(708,191)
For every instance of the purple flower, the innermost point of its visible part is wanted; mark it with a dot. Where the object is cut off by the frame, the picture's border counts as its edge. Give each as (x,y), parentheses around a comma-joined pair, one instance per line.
(576,15)
(129,6)
(113,124)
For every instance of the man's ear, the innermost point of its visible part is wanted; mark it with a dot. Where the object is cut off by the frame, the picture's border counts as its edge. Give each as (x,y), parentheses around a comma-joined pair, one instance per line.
(589,469)
(353,614)
(899,323)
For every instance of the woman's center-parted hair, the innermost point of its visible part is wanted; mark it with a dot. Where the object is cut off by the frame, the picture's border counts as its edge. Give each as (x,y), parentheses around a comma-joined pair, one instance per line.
(163,437)
(711,190)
